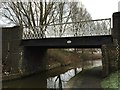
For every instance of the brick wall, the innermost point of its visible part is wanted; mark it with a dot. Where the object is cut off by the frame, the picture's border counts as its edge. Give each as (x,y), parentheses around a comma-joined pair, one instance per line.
(11,50)
(18,59)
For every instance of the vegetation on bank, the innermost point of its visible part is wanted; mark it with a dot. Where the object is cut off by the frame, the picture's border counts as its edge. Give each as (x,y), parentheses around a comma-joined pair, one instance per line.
(112,81)
(57,58)
(62,57)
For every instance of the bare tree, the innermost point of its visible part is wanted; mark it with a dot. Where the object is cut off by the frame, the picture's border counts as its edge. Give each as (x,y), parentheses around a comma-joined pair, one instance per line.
(36,16)
(62,17)
(29,14)
(79,13)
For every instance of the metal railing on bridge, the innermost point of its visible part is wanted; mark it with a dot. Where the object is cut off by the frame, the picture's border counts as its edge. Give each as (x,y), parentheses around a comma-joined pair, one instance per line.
(69,29)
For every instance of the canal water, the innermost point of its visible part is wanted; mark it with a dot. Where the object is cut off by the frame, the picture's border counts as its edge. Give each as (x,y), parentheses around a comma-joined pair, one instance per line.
(55,78)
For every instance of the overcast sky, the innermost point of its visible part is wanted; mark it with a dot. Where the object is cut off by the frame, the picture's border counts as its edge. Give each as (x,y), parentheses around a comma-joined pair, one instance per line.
(101,8)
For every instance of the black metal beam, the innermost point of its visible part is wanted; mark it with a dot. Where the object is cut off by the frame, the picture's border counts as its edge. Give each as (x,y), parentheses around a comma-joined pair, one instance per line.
(70,42)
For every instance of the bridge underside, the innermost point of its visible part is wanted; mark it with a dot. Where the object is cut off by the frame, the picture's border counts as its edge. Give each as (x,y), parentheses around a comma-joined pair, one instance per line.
(70,42)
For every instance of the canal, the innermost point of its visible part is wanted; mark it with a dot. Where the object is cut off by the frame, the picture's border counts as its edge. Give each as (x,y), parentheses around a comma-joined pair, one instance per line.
(55,78)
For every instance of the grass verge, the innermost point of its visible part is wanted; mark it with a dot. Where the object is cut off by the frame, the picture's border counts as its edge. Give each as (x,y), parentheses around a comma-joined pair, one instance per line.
(112,81)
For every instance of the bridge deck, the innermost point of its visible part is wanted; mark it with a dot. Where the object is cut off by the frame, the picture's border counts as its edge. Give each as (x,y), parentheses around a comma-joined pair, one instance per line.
(70,42)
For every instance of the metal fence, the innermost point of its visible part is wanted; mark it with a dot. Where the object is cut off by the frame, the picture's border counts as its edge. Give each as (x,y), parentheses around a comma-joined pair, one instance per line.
(69,29)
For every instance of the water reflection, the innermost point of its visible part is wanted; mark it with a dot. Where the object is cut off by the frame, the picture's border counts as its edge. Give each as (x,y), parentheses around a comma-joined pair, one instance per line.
(44,80)
(61,80)
(57,78)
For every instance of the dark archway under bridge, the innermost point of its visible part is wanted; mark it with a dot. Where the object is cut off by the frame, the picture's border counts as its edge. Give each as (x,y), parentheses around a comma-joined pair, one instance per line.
(70,42)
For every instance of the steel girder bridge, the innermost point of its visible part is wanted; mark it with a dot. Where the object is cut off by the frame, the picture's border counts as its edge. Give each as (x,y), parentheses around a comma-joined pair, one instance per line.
(82,34)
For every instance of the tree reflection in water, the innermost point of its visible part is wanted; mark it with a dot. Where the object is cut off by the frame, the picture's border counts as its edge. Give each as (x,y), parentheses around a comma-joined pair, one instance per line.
(58,78)
(61,80)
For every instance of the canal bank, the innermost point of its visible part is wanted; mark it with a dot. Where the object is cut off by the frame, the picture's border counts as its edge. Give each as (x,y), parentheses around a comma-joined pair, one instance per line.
(40,80)
(53,78)
(55,58)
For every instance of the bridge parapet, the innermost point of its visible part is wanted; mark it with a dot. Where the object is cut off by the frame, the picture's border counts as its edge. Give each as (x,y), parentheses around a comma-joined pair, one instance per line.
(70,29)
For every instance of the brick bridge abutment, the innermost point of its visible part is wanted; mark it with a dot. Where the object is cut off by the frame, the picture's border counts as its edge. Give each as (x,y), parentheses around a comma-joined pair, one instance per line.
(110,53)
(18,59)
